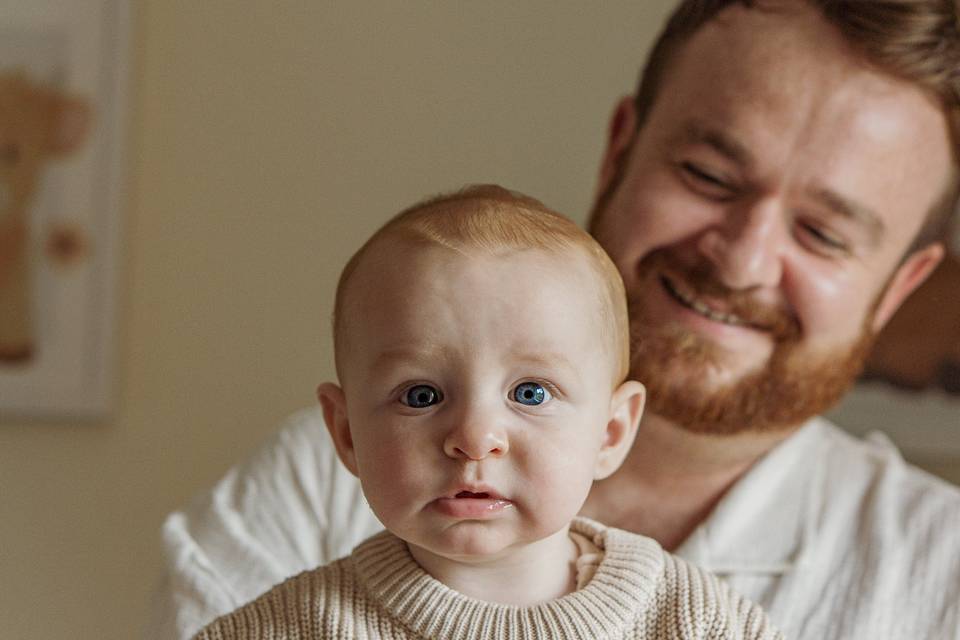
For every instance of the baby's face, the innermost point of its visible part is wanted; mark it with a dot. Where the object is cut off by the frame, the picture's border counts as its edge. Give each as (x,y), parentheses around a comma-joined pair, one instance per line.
(478,393)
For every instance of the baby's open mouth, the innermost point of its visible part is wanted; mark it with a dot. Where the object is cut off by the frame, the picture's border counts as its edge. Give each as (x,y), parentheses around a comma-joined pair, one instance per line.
(471,494)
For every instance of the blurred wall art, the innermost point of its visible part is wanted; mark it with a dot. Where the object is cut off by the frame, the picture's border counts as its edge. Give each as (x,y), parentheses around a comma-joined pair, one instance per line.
(63,68)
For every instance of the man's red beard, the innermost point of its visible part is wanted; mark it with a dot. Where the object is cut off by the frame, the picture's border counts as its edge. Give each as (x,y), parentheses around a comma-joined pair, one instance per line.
(674,362)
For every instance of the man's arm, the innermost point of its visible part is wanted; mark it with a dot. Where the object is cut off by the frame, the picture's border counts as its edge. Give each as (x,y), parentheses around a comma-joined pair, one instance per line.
(290,507)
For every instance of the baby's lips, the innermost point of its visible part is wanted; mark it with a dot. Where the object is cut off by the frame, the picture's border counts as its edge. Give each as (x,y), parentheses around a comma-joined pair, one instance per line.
(473,506)
(474,492)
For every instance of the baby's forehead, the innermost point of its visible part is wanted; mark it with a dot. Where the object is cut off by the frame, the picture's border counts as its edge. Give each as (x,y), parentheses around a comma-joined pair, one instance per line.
(431,303)
(398,259)
(411,296)
(397,273)
(477,240)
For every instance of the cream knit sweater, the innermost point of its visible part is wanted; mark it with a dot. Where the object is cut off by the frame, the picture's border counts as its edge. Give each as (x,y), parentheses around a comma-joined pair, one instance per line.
(379,591)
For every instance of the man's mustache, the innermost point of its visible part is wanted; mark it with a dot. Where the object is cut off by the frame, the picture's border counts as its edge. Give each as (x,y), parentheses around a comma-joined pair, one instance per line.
(699,281)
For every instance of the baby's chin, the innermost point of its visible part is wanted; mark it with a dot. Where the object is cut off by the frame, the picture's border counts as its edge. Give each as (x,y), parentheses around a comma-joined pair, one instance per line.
(472,542)
(486,543)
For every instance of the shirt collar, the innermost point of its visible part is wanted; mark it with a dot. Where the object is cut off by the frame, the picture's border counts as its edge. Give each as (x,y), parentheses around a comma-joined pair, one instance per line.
(765,524)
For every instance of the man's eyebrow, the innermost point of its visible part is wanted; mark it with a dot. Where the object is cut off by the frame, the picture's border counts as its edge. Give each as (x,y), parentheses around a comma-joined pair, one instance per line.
(696,132)
(858,213)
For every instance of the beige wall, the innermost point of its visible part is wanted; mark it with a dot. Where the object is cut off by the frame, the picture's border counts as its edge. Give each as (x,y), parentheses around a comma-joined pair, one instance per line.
(267,140)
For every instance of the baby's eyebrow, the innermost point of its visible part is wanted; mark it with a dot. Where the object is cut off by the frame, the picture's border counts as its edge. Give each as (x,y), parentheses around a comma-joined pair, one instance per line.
(548,360)
(429,353)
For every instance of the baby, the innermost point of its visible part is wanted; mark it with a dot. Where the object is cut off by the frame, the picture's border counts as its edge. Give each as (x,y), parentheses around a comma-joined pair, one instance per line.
(482,346)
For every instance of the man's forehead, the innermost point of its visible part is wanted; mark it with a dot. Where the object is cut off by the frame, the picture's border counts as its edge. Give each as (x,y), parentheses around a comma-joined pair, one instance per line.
(742,39)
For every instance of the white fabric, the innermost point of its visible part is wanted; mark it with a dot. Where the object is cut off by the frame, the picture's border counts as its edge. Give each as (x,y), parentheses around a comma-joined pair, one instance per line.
(290,507)
(589,557)
(835,537)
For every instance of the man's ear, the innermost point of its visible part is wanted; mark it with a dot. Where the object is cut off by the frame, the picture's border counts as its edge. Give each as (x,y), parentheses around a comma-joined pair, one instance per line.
(908,276)
(626,408)
(334,406)
(620,134)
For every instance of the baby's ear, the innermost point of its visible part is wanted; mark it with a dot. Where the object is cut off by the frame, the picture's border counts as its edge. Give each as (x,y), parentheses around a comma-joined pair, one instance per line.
(626,408)
(334,405)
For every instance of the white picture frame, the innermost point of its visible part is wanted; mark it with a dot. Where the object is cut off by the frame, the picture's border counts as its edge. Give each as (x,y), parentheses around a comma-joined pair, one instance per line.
(80,49)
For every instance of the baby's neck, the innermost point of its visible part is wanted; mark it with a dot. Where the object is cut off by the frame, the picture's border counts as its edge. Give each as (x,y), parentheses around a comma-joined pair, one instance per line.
(523,576)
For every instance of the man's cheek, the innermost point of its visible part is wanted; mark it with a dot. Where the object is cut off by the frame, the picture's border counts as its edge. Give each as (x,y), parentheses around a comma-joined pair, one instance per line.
(827,299)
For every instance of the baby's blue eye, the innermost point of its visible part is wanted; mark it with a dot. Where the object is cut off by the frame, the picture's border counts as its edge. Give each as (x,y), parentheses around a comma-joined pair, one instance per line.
(530,393)
(421,395)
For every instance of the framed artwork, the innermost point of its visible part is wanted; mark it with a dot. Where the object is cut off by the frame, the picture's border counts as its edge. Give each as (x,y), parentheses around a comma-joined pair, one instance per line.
(63,89)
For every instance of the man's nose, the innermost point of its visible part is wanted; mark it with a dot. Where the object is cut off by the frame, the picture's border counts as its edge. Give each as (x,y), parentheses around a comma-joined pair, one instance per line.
(746,247)
(475,437)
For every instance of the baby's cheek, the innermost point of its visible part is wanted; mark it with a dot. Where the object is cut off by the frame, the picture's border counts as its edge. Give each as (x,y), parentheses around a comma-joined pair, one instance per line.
(387,475)
(392,498)
(553,506)
(562,476)
(567,458)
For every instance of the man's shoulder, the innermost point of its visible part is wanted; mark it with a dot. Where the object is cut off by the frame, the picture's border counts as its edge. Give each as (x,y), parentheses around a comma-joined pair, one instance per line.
(838,536)
(893,514)
(289,506)
(882,530)
(872,467)
(304,432)
(284,479)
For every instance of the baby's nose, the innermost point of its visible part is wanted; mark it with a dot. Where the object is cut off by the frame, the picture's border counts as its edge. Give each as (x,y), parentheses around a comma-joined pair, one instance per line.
(475,442)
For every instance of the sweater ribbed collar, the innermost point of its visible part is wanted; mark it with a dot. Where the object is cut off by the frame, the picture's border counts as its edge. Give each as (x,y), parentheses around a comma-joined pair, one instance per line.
(621,590)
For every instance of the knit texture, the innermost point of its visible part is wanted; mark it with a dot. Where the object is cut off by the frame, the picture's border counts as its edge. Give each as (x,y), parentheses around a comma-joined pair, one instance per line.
(379,591)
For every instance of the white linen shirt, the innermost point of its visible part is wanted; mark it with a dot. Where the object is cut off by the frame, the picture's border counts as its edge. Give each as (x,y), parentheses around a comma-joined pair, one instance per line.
(837,538)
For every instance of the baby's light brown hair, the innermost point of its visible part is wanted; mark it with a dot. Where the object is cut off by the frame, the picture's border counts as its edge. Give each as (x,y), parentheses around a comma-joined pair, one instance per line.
(490,219)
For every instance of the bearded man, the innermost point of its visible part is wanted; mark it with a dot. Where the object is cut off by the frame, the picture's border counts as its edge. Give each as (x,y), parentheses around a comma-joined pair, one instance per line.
(769,197)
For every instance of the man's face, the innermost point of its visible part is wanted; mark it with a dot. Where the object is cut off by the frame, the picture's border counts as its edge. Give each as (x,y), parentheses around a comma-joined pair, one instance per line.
(478,396)
(760,217)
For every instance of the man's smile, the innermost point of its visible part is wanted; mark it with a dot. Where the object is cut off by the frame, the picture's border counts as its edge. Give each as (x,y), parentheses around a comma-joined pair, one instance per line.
(698,293)
(689,300)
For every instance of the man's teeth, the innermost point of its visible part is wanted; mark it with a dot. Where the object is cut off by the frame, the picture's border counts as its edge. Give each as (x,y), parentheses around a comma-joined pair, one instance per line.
(702,309)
